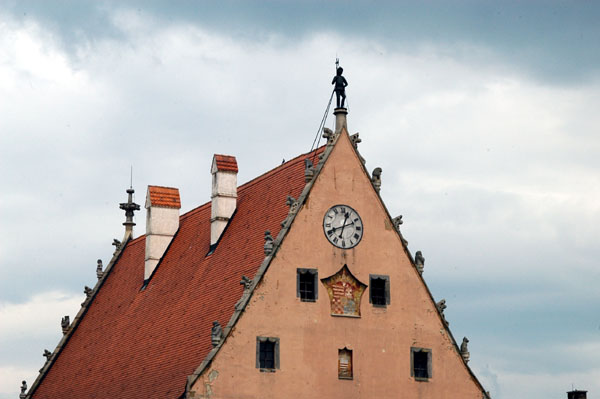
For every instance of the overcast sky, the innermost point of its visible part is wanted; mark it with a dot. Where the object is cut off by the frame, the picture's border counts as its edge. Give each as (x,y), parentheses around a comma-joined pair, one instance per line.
(483,115)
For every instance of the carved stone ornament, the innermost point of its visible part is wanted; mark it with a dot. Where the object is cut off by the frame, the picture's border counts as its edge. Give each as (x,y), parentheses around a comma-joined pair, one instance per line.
(268,243)
(345,293)
(99,272)
(216,333)
(309,170)
(87,291)
(376,178)
(464,350)
(47,354)
(22,395)
(65,322)
(397,222)
(441,306)
(246,282)
(355,139)
(293,204)
(117,245)
(419,262)
(329,135)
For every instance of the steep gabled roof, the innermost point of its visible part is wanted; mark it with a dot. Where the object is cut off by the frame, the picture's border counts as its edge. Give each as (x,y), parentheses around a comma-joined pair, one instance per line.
(134,342)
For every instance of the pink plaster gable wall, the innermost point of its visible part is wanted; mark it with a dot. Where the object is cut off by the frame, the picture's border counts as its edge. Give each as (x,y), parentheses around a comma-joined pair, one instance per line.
(310,337)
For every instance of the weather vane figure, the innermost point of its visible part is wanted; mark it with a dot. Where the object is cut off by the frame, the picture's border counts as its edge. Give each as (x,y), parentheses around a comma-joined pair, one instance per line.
(340,84)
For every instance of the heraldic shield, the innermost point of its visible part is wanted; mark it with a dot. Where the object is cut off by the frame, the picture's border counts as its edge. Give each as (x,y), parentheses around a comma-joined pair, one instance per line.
(345,293)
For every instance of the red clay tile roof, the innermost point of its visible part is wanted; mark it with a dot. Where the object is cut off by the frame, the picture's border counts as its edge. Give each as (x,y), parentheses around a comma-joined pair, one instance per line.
(226,163)
(143,344)
(164,196)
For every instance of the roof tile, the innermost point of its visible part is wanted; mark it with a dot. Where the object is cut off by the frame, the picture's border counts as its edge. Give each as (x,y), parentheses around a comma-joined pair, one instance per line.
(143,344)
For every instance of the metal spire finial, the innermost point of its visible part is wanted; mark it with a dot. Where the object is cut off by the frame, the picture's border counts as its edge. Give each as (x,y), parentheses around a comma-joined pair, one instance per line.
(129,207)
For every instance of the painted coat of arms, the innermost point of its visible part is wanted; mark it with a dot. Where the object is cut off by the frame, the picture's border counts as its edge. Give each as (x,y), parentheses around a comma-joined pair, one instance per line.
(345,293)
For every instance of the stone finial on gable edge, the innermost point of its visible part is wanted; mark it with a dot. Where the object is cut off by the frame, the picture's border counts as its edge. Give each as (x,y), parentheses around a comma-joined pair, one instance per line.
(216,333)
(376,179)
(23,395)
(117,244)
(441,306)
(65,322)
(355,139)
(268,243)
(464,350)
(309,170)
(99,272)
(246,282)
(419,262)
(329,135)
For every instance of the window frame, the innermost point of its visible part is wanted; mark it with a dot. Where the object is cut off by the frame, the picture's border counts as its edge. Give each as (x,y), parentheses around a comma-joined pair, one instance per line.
(351,363)
(274,340)
(315,275)
(427,351)
(386,291)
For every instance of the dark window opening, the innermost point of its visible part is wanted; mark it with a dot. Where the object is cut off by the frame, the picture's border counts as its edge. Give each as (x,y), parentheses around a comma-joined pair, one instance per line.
(379,291)
(421,363)
(267,353)
(306,284)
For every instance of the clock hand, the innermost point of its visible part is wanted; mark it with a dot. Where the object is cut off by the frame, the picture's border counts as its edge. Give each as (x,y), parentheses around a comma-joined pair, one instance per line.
(344,224)
(340,227)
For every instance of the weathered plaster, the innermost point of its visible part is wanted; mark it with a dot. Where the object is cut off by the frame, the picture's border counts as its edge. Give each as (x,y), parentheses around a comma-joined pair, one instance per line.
(381,339)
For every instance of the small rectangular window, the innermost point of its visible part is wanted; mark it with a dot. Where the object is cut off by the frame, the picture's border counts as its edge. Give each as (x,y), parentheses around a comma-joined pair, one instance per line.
(420,360)
(379,290)
(267,353)
(345,364)
(306,284)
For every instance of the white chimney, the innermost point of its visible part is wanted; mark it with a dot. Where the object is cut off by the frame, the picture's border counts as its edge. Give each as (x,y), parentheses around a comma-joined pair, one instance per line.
(162,222)
(224,194)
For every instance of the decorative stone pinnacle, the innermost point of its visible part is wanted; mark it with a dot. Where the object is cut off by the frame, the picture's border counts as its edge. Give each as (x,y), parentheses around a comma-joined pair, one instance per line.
(464,350)
(216,333)
(268,243)
(23,395)
(397,222)
(246,282)
(419,262)
(376,179)
(99,272)
(309,170)
(441,306)
(129,207)
(65,323)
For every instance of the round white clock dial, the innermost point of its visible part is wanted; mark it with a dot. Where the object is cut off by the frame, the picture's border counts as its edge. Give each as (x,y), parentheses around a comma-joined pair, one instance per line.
(342,226)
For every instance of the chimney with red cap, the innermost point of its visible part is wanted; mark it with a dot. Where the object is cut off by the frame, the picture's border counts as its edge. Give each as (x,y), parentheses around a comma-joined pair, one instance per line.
(224,194)
(162,222)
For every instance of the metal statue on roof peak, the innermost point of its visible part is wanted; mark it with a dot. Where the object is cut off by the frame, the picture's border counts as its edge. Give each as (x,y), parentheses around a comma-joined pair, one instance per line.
(340,84)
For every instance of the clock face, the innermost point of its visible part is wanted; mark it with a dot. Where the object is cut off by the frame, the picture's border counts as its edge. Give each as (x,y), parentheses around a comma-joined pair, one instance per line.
(342,226)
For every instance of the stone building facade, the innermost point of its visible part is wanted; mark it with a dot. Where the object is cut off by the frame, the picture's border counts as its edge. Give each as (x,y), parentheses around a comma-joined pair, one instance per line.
(295,284)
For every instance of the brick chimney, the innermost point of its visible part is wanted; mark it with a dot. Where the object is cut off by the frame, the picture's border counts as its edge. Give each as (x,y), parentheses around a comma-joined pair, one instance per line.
(162,222)
(576,394)
(224,194)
